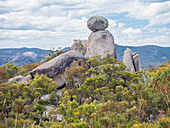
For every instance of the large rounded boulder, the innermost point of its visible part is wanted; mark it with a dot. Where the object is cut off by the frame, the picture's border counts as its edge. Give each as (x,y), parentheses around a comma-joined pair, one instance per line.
(99,42)
(55,68)
(97,23)
(79,45)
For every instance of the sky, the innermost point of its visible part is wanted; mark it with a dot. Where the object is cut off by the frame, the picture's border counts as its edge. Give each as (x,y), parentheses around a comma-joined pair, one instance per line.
(51,24)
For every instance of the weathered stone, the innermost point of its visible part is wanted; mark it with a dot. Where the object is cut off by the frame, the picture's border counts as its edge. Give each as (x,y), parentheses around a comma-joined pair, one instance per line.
(48,57)
(137,62)
(132,61)
(99,42)
(59,79)
(58,117)
(56,67)
(80,45)
(28,78)
(45,97)
(59,92)
(97,23)
(21,79)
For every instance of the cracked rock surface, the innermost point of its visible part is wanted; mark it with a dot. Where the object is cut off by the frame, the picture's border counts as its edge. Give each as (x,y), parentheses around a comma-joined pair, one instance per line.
(55,68)
(132,61)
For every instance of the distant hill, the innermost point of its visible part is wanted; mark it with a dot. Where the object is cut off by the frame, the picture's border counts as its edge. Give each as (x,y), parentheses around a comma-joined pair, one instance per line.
(149,54)
(20,56)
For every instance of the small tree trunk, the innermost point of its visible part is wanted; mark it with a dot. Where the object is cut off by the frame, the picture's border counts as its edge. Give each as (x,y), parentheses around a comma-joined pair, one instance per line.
(40,122)
(33,124)
(15,122)
(24,125)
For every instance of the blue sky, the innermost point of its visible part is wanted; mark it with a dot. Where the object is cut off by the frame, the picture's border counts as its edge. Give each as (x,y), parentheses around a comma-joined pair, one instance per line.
(55,23)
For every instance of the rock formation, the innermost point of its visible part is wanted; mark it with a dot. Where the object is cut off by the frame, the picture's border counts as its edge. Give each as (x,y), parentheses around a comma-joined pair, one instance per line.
(99,42)
(100,39)
(21,79)
(79,45)
(97,23)
(55,68)
(46,113)
(132,61)
(48,57)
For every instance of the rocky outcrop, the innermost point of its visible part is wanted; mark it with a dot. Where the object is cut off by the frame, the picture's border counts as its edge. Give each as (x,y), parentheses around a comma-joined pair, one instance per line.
(132,61)
(21,79)
(28,78)
(97,23)
(48,57)
(45,115)
(79,45)
(100,40)
(55,68)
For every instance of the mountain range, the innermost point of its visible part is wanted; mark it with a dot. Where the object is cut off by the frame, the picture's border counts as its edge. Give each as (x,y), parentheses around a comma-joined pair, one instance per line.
(149,54)
(20,56)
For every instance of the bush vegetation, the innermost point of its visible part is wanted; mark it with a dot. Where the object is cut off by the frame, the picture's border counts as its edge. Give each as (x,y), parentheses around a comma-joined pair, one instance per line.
(98,94)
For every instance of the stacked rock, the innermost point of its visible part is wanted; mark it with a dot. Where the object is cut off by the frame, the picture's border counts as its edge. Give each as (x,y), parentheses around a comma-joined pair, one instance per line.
(100,39)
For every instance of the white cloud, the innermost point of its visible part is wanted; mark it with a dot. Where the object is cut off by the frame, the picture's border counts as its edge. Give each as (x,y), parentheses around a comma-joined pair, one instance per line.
(146,41)
(120,24)
(132,31)
(156,13)
(155,40)
(43,23)
(112,23)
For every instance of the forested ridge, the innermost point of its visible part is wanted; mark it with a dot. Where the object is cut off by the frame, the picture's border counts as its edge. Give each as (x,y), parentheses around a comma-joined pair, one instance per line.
(98,94)
(149,54)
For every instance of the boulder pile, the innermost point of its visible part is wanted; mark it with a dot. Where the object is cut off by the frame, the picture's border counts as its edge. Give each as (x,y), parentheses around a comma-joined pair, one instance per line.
(100,40)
